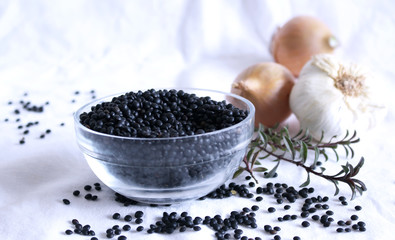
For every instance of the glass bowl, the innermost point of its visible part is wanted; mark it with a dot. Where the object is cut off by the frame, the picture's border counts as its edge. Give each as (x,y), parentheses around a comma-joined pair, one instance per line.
(167,170)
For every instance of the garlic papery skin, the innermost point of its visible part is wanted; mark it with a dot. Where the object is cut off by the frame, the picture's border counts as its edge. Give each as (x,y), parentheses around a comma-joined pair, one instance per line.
(331,97)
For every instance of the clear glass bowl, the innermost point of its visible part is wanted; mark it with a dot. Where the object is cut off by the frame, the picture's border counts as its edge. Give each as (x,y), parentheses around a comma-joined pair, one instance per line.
(167,170)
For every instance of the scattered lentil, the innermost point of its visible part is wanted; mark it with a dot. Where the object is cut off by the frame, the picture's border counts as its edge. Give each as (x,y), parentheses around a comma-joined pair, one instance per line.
(305,224)
(139,228)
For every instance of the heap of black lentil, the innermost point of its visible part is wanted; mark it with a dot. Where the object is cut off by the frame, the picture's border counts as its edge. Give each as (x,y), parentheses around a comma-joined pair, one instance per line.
(161,114)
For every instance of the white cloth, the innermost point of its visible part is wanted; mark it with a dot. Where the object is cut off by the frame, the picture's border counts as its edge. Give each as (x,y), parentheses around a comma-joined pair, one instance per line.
(50,49)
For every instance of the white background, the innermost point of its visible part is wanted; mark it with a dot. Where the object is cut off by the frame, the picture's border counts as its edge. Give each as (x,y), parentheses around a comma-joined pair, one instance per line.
(50,49)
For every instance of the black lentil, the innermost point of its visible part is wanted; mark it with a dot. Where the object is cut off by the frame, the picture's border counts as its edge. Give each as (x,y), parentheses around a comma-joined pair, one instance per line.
(87,187)
(354,217)
(88,196)
(66,201)
(128,218)
(339,230)
(196,228)
(271,209)
(286,207)
(296,238)
(116,216)
(358,208)
(361,224)
(305,224)
(68,232)
(122,237)
(139,228)
(126,227)
(138,214)
(138,221)
(277,237)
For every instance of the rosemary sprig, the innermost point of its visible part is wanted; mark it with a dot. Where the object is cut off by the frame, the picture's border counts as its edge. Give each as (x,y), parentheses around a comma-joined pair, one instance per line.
(278,145)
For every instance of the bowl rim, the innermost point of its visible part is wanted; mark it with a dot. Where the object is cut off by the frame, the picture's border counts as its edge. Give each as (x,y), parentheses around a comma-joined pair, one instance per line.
(251,115)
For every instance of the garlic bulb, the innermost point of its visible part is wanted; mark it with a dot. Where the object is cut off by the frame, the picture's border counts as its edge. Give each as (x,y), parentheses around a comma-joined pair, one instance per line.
(332,97)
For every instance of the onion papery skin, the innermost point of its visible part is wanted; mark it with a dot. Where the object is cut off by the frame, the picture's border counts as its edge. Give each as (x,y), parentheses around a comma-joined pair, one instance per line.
(268,86)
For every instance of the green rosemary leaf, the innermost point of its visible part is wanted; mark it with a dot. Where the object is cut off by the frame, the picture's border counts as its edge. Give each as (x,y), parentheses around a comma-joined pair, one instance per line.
(360,190)
(337,155)
(259,169)
(345,169)
(354,135)
(273,171)
(351,169)
(345,137)
(322,169)
(353,192)
(250,153)
(316,155)
(322,137)
(298,134)
(345,149)
(258,162)
(303,151)
(254,157)
(351,150)
(266,156)
(254,143)
(337,188)
(325,156)
(289,146)
(339,173)
(361,184)
(264,138)
(238,172)
(285,131)
(306,134)
(359,165)
(261,128)
(307,181)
